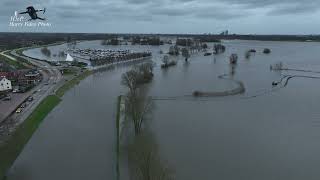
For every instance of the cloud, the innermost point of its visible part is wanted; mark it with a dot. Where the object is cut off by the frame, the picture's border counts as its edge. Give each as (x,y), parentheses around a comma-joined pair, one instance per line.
(295,9)
(156,12)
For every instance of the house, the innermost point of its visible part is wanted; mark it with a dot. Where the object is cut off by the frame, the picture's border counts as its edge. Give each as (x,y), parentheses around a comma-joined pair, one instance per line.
(30,77)
(5,84)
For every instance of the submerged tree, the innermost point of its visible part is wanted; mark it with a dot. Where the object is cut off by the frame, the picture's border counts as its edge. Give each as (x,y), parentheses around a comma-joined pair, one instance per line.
(247,55)
(137,104)
(266,51)
(145,162)
(137,76)
(165,60)
(219,48)
(145,72)
(129,79)
(185,53)
(61,54)
(174,50)
(45,51)
(204,46)
(138,108)
(233,59)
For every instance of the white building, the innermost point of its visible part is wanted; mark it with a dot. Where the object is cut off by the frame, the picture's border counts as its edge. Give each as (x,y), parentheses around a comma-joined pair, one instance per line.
(5,84)
(69,58)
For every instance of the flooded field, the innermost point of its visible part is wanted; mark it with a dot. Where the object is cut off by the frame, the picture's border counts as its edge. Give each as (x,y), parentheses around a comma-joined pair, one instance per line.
(266,133)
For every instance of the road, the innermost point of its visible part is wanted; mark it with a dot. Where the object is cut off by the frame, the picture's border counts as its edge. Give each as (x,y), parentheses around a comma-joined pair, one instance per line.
(52,79)
(10,57)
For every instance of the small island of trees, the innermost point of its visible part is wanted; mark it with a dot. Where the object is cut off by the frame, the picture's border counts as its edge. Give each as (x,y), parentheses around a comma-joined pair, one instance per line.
(45,51)
(266,51)
(167,62)
(219,48)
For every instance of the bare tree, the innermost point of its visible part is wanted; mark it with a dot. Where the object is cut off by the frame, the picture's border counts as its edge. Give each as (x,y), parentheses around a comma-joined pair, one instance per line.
(247,54)
(130,80)
(138,107)
(137,76)
(185,53)
(165,59)
(46,51)
(145,162)
(174,50)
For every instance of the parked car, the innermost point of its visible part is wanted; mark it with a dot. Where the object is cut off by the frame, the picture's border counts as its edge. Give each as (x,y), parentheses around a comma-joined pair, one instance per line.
(19,110)
(23,105)
(7,98)
(16,91)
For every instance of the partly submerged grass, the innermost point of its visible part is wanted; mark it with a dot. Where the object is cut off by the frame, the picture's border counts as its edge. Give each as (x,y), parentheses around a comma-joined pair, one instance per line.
(118,138)
(69,84)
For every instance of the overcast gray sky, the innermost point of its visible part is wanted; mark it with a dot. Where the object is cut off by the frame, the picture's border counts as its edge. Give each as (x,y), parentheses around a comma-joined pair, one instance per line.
(171,16)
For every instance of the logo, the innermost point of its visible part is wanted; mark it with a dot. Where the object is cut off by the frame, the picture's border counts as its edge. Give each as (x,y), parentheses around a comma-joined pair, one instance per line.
(19,20)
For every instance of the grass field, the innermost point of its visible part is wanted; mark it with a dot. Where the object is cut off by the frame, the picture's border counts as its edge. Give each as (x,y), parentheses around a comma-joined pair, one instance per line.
(15,64)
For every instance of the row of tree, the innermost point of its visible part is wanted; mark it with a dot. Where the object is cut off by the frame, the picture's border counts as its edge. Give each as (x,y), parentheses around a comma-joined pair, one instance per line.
(112,41)
(153,41)
(144,160)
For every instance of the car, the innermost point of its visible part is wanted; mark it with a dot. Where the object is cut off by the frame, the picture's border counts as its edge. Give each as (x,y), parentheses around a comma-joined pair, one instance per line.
(16,91)
(7,98)
(30,98)
(46,84)
(19,110)
(23,105)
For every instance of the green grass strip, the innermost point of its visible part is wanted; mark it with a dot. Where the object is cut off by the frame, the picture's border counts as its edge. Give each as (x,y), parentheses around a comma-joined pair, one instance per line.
(71,83)
(11,150)
(118,137)
(15,64)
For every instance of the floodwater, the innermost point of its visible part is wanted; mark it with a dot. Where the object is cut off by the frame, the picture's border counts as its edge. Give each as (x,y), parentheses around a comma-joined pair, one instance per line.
(265,133)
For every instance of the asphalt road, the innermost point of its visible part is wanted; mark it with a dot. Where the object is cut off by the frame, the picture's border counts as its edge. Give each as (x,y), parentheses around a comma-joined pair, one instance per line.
(52,79)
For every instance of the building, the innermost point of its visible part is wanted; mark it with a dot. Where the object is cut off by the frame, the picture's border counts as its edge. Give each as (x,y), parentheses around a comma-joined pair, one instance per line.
(5,84)
(69,58)
(30,77)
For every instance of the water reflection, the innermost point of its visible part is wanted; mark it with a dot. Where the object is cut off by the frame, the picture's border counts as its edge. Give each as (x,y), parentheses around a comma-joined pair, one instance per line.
(267,135)
(144,160)
(232,70)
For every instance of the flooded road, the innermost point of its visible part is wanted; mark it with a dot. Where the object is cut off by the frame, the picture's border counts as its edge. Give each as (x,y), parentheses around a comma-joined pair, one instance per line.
(265,133)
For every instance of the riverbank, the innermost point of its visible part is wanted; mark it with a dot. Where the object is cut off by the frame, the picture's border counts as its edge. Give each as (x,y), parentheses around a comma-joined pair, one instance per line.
(11,150)
(118,137)
(71,83)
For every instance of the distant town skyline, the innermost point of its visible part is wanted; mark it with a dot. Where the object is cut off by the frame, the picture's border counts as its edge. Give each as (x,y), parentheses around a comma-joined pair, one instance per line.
(170,16)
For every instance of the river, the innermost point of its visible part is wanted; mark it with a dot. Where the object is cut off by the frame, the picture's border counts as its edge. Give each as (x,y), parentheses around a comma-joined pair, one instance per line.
(265,133)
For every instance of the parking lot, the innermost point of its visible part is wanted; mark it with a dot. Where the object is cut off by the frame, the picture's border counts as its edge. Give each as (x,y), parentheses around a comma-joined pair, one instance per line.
(9,106)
